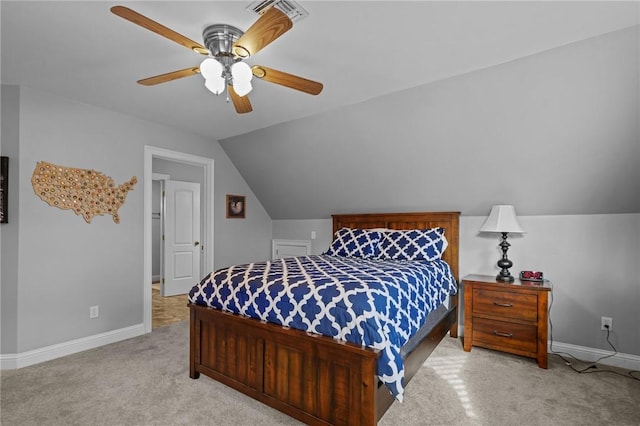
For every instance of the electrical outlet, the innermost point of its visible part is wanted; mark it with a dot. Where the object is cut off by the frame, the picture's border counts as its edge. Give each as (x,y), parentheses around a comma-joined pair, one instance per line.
(94,312)
(606,323)
(313,235)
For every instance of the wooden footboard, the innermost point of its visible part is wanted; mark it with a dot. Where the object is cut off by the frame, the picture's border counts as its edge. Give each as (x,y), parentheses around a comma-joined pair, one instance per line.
(315,379)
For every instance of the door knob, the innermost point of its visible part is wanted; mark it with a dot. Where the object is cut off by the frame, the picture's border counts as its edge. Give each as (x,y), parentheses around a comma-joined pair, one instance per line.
(197,243)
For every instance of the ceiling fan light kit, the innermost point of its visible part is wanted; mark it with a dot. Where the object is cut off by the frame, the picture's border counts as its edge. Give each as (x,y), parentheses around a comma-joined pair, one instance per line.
(226,48)
(222,66)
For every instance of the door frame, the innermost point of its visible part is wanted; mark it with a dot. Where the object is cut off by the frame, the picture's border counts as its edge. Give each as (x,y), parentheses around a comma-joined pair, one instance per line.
(151,152)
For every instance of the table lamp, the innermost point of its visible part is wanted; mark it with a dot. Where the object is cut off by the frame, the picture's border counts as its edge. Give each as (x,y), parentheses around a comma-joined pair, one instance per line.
(502,219)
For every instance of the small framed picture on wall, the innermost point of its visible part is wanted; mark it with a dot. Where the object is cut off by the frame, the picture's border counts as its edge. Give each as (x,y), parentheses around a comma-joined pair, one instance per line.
(4,189)
(236,206)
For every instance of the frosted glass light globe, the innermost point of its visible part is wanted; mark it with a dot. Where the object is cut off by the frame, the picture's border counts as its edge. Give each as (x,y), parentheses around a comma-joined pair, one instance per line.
(210,68)
(241,71)
(242,88)
(215,85)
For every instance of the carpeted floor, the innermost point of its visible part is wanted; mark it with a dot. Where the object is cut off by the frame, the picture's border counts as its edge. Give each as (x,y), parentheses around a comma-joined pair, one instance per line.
(145,381)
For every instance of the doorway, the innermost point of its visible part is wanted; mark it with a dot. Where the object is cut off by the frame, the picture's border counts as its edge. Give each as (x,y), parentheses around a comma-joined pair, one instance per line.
(206,166)
(177,220)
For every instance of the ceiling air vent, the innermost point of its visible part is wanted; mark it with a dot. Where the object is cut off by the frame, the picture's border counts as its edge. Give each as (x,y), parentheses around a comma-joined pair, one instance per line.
(293,10)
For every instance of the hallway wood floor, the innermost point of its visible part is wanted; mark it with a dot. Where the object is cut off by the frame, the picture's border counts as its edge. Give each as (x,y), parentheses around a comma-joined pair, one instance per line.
(167,310)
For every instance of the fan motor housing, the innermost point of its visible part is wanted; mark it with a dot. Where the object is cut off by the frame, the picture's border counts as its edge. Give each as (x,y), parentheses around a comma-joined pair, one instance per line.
(219,39)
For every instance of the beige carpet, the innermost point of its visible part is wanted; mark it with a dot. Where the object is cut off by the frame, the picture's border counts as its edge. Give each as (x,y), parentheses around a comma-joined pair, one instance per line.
(145,381)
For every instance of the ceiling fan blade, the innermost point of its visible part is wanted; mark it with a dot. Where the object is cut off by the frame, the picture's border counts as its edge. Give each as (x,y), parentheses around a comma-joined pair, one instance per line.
(174,75)
(289,80)
(144,22)
(269,26)
(242,103)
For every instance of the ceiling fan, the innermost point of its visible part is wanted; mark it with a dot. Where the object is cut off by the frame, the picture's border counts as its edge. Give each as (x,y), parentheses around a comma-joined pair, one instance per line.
(226,49)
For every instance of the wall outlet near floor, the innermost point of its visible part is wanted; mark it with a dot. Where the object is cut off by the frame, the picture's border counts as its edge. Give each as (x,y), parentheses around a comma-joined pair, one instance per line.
(606,323)
(94,312)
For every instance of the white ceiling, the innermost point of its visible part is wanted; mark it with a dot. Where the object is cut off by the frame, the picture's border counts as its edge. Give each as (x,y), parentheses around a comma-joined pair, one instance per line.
(358,49)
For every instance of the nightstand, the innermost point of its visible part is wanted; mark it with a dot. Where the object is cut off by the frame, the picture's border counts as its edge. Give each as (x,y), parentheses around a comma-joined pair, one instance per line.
(508,317)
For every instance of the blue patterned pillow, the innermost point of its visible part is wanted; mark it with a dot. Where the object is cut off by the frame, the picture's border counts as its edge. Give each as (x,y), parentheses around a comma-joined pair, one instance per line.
(413,244)
(355,243)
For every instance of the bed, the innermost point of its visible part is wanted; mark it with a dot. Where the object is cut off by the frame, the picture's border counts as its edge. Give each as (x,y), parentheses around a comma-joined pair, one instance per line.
(314,378)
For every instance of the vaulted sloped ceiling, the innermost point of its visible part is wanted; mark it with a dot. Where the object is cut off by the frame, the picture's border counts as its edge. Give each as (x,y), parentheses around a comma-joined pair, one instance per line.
(552,133)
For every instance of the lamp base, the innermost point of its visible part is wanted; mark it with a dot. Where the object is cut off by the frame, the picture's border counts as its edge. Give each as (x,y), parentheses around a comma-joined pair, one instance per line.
(504,264)
(505,279)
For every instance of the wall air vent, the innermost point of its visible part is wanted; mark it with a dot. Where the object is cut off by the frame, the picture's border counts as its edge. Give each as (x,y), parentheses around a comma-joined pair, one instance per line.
(293,10)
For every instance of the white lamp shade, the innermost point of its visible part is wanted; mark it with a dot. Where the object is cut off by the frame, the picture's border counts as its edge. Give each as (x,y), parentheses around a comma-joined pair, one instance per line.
(215,84)
(502,219)
(210,69)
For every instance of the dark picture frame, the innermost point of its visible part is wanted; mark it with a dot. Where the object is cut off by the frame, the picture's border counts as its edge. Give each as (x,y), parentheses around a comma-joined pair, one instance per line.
(4,189)
(236,206)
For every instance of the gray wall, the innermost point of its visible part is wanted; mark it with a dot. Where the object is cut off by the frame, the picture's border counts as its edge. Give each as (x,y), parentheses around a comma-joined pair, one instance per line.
(54,265)
(9,147)
(552,133)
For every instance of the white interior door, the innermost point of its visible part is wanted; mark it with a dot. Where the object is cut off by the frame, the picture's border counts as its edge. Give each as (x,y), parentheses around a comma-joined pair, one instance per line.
(181,237)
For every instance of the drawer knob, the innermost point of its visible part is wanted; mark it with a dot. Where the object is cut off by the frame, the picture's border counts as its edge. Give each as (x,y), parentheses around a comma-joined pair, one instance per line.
(504,305)
(501,334)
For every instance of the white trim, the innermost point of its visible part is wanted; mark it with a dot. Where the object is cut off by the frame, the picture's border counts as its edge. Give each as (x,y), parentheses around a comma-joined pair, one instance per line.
(36,356)
(162,179)
(151,152)
(627,361)
(160,176)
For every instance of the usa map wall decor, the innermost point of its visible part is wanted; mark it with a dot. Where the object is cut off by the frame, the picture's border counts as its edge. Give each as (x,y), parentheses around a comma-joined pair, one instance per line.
(87,192)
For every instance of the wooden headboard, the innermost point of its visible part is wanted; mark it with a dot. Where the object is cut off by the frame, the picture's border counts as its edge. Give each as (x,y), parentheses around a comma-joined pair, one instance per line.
(418,220)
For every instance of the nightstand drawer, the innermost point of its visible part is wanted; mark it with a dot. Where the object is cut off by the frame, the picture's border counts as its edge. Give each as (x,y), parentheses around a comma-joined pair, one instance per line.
(506,334)
(505,304)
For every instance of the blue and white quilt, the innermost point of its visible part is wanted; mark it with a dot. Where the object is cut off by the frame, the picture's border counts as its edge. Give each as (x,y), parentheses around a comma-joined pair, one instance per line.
(372,302)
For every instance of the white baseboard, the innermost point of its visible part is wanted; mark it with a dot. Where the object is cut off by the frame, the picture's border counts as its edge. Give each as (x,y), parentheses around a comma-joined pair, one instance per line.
(627,361)
(155,278)
(36,356)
